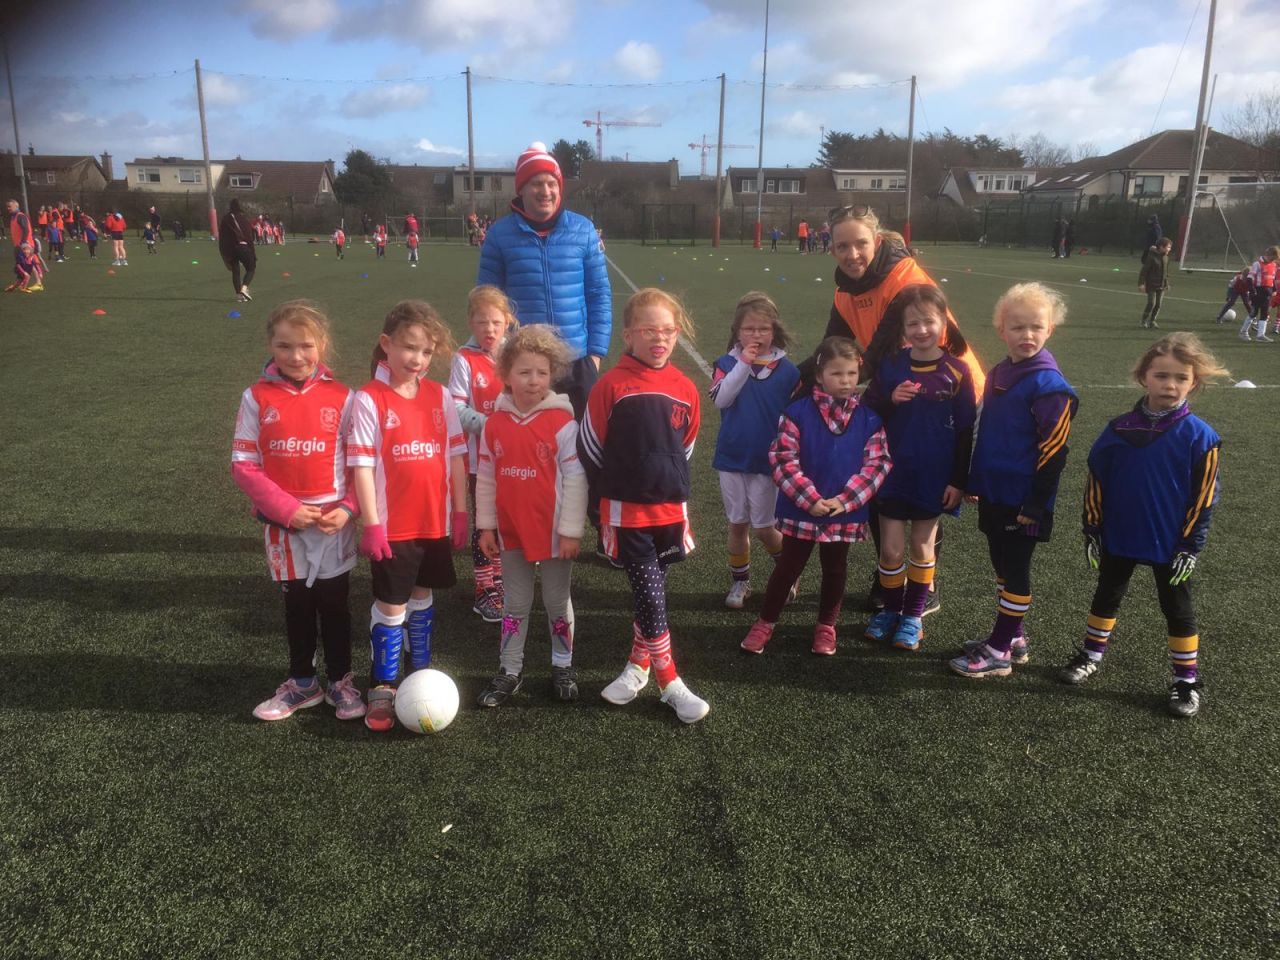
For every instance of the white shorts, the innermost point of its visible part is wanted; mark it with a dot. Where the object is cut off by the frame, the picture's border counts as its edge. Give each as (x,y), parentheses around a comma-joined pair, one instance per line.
(748,498)
(309,554)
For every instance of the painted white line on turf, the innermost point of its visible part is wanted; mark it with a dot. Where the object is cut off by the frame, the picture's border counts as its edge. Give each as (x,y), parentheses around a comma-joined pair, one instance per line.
(685,342)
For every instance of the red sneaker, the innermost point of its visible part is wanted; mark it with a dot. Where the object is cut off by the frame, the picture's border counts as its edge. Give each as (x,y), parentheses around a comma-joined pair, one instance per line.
(824,640)
(757,637)
(381,715)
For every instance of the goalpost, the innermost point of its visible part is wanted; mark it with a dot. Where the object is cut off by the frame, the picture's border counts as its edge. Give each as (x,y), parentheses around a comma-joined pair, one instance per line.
(1229,225)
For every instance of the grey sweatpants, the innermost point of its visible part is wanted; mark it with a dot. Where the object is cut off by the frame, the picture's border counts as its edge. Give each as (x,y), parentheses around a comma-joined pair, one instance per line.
(517,579)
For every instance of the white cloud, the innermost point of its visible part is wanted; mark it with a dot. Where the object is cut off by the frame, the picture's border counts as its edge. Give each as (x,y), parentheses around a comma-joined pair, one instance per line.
(426,146)
(639,60)
(798,124)
(560,73)
(222,91)
(385,98)
(289,19)
(449,24)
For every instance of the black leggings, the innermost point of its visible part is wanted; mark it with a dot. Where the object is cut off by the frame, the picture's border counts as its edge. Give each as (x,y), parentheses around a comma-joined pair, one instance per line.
(326,602)
(834,558)
(1175,602)
(1011,559)
(243,255)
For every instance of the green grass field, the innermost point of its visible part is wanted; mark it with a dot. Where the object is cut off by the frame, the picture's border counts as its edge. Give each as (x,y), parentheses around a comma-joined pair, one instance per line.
(869,805)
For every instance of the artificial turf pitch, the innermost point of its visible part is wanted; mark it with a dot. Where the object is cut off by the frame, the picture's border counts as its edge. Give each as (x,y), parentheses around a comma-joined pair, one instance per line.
(867,805)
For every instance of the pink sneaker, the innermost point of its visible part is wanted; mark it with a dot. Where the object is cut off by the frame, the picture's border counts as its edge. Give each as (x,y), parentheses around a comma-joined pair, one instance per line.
(344,697)
(757,637)
(288,699)
(824,640)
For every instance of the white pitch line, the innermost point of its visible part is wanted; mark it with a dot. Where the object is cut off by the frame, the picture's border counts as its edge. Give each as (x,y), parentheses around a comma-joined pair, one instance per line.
(1077,286)
(685,342)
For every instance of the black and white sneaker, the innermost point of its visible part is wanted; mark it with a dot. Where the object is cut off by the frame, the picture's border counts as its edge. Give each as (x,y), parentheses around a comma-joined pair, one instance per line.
(934,602)
(1079,668)
(1184,698)
(875,603)
(500,689)
(565,683)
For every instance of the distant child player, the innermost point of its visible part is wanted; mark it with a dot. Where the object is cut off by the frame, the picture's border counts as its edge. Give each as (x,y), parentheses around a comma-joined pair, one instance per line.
(1239,287)
(409,456)
(1153,280)
(411,242)
(1153,482)
(28,273)
(925,395)
(1263,272)
(149,237)
(89,230)
(289,457)
(531,504)
(635,442)
(475,385)
(1027,408)
(829,459)
(339,242)
(56,239)
(380,240)
(750,386)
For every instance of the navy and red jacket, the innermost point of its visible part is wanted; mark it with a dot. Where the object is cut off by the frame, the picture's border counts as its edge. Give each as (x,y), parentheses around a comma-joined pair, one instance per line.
(636,440)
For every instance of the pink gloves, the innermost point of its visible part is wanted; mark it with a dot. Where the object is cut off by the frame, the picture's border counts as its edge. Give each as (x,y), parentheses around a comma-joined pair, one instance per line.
(373,542)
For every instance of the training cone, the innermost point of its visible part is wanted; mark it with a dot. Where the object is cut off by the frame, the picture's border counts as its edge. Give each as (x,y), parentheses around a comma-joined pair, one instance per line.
(234,314)
(945,280)
(364,276)
(194,262)
(1246,384)
(111,273)
(286,274)
(1083,280)
(102,313)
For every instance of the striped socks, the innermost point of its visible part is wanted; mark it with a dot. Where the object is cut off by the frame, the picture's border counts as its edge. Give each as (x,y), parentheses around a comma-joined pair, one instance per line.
(1183,653)
(919,579)
(1013,607)
(1097,634)
(893,587)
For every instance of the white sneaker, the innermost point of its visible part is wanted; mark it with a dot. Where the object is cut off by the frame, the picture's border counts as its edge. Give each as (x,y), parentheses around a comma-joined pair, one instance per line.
(1262,338)
(244,292)
(689,707)
(628,685)
(793,592)
(1246,338)
(739,590)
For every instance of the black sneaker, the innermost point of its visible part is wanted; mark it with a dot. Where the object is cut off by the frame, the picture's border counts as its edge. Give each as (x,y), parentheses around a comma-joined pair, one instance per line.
(602,554)
(1184,698)
(1079,668)
(565,682)
(934,603)
(500,689)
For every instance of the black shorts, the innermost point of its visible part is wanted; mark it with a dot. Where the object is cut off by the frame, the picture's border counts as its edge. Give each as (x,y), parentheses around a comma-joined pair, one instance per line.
(995,519)
(117,234)
(666,544)
(904,511)
(413,563)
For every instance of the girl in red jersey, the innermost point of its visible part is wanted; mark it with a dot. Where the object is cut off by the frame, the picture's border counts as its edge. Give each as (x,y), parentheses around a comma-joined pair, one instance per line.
(635,443)
(339,241)
(411,243)
(475,384)
(409,456)
(289,457)
(531,503)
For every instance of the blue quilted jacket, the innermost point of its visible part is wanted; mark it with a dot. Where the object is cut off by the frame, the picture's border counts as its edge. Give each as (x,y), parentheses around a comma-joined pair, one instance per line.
(562,279)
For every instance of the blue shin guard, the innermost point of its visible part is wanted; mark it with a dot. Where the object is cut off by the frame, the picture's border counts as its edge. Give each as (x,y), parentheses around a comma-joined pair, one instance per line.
(385,643)
(420,623)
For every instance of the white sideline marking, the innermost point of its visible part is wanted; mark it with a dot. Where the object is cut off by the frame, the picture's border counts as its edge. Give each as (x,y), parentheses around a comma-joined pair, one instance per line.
(685,342)
(1067,284)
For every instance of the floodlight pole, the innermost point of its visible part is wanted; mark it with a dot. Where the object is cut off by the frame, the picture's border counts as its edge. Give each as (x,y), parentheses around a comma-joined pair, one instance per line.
(1202,141)
(715,223)
(1193,182)
(204,143)
(911,149)
(17,140)
(471,153)
(764,76)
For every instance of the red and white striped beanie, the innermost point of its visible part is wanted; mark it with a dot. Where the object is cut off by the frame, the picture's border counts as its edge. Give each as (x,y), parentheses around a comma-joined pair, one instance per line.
(535,160)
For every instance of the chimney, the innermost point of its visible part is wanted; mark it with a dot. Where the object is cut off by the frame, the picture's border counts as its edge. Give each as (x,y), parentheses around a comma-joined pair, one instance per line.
(106,167)
(673,171)
(31,150)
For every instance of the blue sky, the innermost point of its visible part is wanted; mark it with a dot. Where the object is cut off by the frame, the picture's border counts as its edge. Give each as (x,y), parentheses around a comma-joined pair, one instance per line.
(310,79)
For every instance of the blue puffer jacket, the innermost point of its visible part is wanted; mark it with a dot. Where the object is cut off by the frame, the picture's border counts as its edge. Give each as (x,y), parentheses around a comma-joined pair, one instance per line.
(562,279)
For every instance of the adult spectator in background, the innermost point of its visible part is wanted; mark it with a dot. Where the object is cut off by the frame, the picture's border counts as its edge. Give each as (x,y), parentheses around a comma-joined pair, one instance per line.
(19,226)
(235,243)
(548,261)
(1059,231)
(153,220)
(1068,237)
(873,265)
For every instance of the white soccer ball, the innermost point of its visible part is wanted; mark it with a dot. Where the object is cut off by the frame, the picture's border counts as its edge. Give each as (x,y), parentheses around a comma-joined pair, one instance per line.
(1229,316)
(427,701)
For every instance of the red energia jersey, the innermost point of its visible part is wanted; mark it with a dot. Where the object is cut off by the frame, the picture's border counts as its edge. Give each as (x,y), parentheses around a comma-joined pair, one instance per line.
(528,456)
(474,382)
(409,443)
(339,237)
(412,241)
(298,435)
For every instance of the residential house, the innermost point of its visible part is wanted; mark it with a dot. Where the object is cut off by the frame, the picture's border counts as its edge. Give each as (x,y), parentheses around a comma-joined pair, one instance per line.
(169,175)
(71,174)
(307,182)
(974,186)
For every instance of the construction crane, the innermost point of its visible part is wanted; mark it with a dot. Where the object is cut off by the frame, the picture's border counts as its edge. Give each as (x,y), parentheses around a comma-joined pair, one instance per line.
(600,123)
(708,147)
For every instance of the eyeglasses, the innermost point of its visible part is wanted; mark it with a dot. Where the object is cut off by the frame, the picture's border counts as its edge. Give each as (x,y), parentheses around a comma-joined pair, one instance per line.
(658,333)
(853,211)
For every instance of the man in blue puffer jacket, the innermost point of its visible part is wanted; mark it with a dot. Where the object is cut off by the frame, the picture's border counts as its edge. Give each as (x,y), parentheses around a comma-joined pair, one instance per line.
(549,262)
